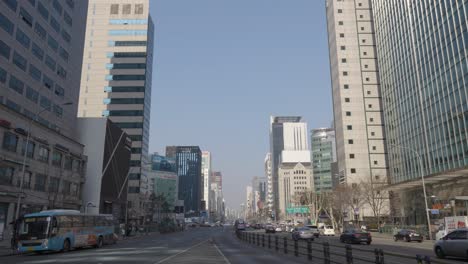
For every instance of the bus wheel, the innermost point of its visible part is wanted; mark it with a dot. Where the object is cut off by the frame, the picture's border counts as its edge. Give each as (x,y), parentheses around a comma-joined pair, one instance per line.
(99,242)
(66,245)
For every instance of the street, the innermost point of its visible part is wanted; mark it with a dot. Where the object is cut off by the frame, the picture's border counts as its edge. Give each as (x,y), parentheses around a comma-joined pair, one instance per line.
(217,245)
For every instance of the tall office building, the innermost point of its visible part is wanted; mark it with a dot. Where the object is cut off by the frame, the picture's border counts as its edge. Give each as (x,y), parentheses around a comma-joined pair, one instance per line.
(360,140)
(116,80)
(41,51)
(422,54)
(188,164)
(216,200)
(269,177)
(206,176)
(287,135)
(323,154)
(259,187)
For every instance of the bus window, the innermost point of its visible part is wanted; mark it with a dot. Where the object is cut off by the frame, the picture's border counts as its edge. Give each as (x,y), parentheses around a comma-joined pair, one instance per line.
(77,221)
(65,221)
(89,221)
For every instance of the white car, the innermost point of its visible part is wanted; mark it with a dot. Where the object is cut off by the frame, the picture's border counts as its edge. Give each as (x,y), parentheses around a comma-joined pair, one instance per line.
(327,231)
(278,229)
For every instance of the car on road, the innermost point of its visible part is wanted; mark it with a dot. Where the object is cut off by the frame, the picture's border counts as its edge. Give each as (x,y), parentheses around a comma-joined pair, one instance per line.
(408,235)
(454,244)
(357,236)
(278,229)
(327,231)
(270,229)
(314,229)
(303,233)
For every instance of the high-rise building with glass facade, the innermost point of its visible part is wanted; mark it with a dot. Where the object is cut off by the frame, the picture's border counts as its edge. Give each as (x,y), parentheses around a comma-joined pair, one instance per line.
(422,55)
(323,154)
(41,53)
(206,176)
(116,80)
(189,171)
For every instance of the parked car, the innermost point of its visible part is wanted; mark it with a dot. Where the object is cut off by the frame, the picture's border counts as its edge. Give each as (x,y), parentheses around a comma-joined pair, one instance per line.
(454,244)
(270,229)
(408,236)
(356,236)
(302,233)
(327,231)
(278,229)
(315,230)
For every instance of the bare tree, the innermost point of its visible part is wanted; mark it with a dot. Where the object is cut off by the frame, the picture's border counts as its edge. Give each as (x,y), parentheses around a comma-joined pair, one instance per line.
(375,197)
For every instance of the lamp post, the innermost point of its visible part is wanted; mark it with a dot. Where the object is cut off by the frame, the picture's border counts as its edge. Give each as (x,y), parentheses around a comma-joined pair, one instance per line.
(23,170)
(423,184)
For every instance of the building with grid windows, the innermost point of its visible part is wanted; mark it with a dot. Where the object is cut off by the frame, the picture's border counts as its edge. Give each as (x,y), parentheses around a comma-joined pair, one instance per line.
(422,54)
(323,154)
(116,81)
(206,176)
(41,52)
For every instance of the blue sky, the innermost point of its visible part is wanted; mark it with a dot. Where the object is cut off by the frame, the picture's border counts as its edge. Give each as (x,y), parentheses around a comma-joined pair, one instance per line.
(222,67)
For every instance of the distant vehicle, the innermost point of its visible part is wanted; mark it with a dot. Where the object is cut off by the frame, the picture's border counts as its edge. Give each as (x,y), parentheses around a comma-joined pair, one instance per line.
(303,233)
(63,230)
(356,236)
(270,229)
(454,244)
(315,230)
(327,231)
(408,236)
(278,229)
(240,224)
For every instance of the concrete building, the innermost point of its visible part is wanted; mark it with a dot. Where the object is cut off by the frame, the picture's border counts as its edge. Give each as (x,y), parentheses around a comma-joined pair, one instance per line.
(425,103)
(286,133)
(359,132)
(249,202)
(269,177)
(108,149)
(41,51)
(259,186)
(295,178)
(206,176)
(323,154)
(163,178)
(188,164)
(216,191)
(116,80)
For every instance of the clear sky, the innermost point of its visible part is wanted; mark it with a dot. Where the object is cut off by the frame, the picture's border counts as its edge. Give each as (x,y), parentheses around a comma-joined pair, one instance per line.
(222,67)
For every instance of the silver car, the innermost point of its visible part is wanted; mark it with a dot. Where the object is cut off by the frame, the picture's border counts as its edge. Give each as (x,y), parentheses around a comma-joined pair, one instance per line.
(302,233)
(454,244)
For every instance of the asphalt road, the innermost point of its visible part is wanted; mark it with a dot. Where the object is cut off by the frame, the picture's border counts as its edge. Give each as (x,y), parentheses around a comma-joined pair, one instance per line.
(220,245)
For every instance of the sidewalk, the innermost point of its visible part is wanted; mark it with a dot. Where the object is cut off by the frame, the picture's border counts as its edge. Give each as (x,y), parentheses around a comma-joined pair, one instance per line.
(5,249)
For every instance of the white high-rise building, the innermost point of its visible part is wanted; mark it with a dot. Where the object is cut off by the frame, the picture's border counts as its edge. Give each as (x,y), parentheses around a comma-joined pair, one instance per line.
(116,81)
(288,139)
(206,176)
(360,141)
(269,176)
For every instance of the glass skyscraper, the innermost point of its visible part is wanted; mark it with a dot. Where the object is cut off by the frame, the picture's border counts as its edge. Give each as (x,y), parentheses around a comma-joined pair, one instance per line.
(323,154)
(422,51)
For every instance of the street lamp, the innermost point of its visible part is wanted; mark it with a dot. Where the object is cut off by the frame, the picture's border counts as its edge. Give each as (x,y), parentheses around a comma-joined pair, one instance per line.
(423,184)
(28,137)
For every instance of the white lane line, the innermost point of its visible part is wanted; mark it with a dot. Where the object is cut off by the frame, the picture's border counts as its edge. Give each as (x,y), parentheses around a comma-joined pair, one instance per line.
(183,251)
(225,259)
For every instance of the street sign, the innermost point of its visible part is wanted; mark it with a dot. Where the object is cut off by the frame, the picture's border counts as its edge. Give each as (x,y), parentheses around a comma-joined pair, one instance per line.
(297,210)
(434,211)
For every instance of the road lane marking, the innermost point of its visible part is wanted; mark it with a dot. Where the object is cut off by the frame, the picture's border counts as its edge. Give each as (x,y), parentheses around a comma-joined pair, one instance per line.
(221,253)
(183,251)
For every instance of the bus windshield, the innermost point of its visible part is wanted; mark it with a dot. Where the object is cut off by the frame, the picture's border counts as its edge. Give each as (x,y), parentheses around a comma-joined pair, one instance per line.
(34,228)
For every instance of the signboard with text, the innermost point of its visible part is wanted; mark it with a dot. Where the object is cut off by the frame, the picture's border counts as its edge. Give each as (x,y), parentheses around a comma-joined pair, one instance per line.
(297,210)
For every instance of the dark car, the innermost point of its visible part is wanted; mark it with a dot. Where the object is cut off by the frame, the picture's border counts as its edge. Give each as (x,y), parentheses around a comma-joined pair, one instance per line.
(408,236)
(356,236)
(270,229)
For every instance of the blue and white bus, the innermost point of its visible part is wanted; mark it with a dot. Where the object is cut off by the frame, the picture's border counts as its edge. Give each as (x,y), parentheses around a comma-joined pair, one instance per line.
(63,230)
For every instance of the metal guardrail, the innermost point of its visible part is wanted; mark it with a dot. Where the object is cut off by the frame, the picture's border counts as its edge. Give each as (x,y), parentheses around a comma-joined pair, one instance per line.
(329,253)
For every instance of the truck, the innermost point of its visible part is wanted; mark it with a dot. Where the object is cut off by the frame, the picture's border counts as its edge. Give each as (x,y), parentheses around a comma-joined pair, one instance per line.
(451,223)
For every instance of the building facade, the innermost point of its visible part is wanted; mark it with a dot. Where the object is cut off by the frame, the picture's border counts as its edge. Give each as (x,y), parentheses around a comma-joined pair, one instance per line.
(269,177)
(188,164)
(421,47)
(323,154)
(41,51)
(360,139)
(216,207)
(116,80)
(286,133)
(108,149)
(206,176)
(295,180)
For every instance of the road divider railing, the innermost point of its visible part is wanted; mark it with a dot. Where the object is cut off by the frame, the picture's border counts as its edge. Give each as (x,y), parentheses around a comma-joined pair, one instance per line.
(329,253)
